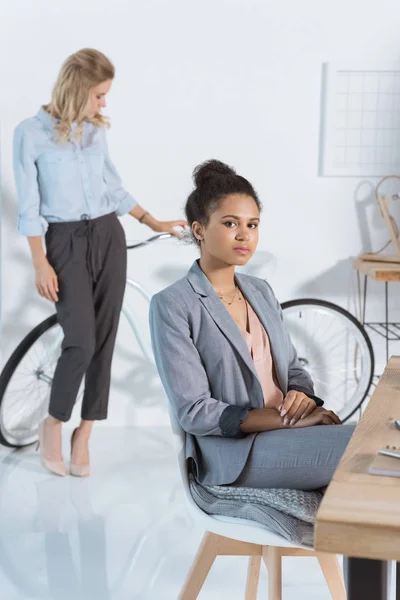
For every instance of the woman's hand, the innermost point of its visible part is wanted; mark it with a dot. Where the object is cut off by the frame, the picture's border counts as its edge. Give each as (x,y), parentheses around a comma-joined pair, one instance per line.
(46,280)
(319,416)
(144,217)
(168,227)
(296,406)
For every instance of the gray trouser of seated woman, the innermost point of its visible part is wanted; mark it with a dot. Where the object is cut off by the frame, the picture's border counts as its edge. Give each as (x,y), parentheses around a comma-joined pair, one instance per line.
(302,459)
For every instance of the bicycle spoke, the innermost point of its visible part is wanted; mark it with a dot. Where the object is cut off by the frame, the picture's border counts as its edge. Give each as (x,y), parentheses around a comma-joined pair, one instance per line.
(26,397)
(334,351)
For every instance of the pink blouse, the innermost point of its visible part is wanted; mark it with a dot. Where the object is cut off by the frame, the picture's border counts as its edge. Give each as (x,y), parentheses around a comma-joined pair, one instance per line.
(260,350)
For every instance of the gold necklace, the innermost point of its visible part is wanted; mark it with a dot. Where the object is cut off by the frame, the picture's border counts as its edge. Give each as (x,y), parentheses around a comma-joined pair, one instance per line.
(221,297)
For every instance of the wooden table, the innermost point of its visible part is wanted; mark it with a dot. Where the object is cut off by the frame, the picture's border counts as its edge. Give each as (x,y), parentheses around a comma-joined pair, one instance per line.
(360,513)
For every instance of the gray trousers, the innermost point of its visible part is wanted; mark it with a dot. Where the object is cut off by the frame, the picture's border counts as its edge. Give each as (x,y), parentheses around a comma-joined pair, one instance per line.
(89,258)
(301,459)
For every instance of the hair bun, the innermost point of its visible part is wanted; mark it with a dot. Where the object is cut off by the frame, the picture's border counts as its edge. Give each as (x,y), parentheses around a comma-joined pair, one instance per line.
(210,169)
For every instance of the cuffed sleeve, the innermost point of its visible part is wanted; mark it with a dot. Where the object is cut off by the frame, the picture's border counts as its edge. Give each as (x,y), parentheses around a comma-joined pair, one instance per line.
(125,202)
(307,392)
(26,179)
(182,372)
(231,419)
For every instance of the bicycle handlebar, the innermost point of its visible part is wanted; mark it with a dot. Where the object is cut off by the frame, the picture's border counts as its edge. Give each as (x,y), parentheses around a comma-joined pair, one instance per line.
(154,238)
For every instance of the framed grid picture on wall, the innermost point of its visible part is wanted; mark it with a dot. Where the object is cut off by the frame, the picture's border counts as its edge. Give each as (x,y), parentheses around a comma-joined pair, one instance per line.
(360,128)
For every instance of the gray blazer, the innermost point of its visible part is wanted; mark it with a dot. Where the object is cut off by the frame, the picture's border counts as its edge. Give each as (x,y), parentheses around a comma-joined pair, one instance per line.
(208,372)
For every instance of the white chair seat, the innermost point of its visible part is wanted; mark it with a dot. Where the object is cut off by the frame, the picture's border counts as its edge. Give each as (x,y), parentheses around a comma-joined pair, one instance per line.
(238,529)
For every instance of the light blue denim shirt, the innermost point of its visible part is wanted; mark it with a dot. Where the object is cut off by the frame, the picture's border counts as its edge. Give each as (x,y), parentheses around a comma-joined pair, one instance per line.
(68,181)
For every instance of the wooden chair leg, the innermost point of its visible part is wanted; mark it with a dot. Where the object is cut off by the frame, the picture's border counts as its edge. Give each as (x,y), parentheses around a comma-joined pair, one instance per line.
(253,576)
(273,559)
(330,567)
(201,566)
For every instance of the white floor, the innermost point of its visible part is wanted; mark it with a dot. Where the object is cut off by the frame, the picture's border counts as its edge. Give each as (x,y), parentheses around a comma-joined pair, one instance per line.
(121,534)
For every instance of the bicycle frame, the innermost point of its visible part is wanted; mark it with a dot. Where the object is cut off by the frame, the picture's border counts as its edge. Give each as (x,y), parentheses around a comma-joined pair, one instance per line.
(129,314)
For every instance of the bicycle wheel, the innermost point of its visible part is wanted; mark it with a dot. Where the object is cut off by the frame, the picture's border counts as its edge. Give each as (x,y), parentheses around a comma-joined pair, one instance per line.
(335,349)
(25,384)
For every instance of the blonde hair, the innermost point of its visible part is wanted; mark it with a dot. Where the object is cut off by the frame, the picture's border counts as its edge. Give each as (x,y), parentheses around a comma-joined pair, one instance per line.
(81,71)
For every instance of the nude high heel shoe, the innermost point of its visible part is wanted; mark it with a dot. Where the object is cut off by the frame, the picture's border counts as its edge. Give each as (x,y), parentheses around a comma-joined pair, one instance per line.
(56,467)
(78,470)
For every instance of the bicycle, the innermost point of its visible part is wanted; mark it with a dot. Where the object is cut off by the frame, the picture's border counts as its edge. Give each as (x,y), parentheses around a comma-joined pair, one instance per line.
(331,344)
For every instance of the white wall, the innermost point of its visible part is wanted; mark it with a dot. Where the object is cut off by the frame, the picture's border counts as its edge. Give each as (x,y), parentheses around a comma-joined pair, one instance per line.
(236,80)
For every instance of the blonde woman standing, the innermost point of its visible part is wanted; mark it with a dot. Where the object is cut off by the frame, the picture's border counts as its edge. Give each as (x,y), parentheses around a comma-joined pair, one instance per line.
(64,175)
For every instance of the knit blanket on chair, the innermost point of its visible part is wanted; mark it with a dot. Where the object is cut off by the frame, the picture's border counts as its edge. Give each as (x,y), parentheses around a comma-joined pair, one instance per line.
(288,513)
